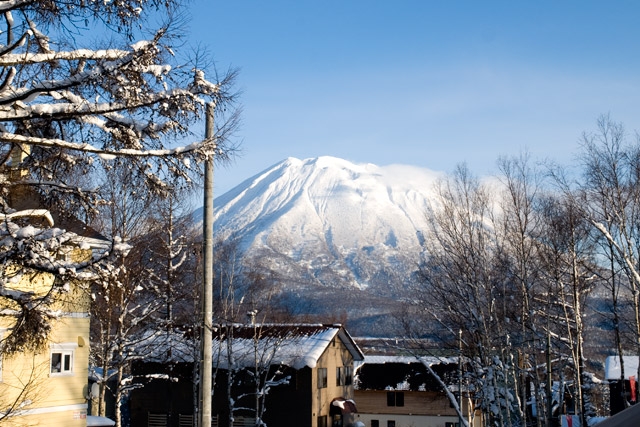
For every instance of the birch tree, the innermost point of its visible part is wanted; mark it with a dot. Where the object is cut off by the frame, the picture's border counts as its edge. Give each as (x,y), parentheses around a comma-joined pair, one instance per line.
(517,230)
(568,268)
(124,296)
(462,290)
(148,294)
(611,189)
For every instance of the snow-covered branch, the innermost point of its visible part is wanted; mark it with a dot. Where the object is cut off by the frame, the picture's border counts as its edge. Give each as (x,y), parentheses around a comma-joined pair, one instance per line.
(622,253)
(452,398)
(8,5)
(105,154)
(30,58)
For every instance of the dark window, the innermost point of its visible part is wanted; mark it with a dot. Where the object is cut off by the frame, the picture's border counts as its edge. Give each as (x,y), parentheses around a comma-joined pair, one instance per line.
(344,375)
(322,421)
(322,378)
(391,423)
(336,421)
(56,359)
(348,375)
(391,398)
(395,398)
(375,423)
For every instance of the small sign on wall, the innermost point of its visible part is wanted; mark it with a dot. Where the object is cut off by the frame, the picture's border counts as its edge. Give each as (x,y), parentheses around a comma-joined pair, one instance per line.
(570,421)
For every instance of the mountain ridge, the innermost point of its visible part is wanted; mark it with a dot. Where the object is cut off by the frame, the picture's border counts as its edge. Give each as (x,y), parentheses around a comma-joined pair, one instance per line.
(329,227)
(288,192)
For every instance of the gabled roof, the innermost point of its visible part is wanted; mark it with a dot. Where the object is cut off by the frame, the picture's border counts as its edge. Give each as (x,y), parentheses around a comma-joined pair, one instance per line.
(29,199)
(293,345)
(431,360)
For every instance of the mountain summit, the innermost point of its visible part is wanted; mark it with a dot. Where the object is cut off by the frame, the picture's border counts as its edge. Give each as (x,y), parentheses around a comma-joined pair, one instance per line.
(325,224)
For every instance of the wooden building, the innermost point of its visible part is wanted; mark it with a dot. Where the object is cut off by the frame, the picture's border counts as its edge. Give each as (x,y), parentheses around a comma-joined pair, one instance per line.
(289,374)
(398,391)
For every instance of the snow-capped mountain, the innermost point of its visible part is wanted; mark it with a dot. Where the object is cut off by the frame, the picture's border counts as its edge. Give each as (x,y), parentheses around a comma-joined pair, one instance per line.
(326,226)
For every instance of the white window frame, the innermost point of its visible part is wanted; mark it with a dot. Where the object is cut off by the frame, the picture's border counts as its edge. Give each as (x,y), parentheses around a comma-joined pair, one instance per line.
(64,350)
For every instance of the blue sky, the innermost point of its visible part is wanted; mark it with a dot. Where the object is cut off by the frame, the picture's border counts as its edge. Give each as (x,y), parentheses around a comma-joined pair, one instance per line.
(424,83)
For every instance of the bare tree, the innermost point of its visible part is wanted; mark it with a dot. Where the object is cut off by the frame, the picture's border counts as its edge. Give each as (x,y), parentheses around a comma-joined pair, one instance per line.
(611,189)
(518,227)
(463,290)
(511,271)
(148,290)
(568,267)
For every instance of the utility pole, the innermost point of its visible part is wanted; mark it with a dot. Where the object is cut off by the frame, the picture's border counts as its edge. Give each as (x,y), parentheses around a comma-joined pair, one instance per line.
(460,377)
(206,334)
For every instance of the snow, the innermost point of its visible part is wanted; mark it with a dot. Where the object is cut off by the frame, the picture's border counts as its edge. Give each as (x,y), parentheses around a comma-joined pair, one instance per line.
(327,191)
(612,368)
(142,44)
(293,345)
(295,351)
(8,59)
(27,232)
(52,142)
(327,212)
(96,421)
(30,213)
(105,156)
(431,360)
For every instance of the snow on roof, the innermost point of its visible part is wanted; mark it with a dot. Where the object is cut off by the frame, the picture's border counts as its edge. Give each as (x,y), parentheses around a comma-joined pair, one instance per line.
(431,360)
(612,368)
(294,345)
(386,359)
(96,421)
(164,346)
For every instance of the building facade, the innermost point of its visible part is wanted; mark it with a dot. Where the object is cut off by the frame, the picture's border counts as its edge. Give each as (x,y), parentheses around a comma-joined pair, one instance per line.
(287,375)
(49,386)
(398,391)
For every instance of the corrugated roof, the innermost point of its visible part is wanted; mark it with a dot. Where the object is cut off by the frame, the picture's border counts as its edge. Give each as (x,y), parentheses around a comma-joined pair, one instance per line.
(294,345)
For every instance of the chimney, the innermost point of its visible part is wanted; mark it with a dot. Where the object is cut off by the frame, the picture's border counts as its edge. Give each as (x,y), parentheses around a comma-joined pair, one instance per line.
(19,153)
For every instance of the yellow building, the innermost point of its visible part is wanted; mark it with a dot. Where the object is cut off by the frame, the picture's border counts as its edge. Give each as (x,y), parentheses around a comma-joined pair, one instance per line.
(48,387)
